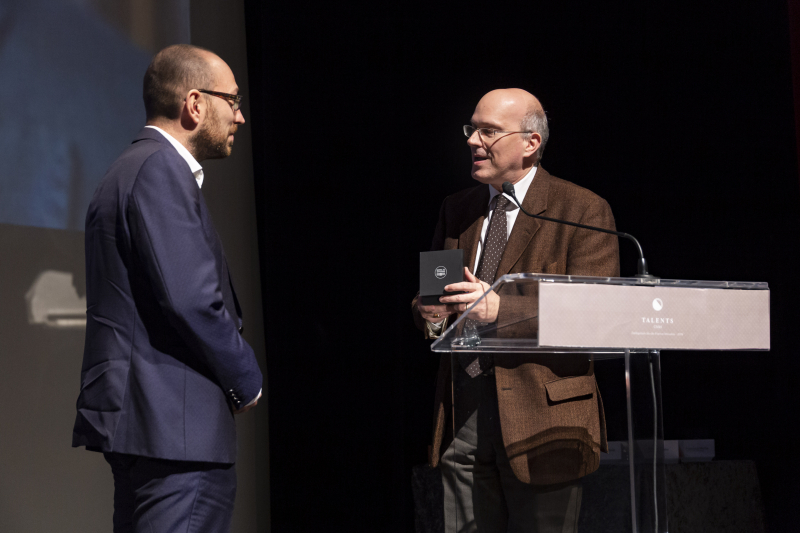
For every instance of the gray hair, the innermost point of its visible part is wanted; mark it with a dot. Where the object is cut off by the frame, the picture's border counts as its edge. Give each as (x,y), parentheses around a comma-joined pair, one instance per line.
(535,121)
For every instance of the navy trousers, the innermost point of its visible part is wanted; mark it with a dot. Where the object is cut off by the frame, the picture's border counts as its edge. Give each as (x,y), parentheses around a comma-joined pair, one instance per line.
(160,496)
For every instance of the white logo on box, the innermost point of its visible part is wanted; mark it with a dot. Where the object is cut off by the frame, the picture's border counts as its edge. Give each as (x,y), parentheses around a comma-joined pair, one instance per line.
(658,305)
(440,272)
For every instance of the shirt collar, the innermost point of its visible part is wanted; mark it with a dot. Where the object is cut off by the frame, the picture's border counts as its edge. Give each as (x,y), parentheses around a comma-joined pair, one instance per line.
(520,189)
(194,166)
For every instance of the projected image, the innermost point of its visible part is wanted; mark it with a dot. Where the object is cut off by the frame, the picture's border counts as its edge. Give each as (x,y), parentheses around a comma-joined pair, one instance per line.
(70,99)
(70,102)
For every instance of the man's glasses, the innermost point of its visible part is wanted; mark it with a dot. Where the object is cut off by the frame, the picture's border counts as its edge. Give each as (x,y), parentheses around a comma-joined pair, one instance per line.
(234,99)
(487,133)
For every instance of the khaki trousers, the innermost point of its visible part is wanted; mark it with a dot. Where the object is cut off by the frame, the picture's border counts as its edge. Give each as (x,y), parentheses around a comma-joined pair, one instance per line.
(481,492)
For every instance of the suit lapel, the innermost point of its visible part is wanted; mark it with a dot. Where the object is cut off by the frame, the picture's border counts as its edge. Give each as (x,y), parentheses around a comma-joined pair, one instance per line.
(525,227)
(470,232)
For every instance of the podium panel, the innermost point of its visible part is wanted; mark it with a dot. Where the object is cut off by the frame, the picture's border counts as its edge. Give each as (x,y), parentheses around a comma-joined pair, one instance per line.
(527,419)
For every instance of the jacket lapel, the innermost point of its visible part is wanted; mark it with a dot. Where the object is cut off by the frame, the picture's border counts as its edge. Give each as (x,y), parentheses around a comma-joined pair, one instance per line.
(525,227)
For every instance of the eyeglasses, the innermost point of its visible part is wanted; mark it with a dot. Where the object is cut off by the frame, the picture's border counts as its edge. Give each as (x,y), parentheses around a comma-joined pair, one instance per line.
(234,99)
(487,133)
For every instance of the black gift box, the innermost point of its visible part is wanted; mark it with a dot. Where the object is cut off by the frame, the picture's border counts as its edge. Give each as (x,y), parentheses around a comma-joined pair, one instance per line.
(436,270)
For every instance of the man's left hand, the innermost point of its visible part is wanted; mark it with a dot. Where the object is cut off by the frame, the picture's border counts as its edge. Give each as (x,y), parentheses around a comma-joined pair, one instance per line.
(249,405)
(245,408)
(485,311)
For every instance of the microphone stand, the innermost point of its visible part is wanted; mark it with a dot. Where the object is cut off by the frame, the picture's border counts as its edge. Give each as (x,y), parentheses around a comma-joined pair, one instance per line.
(641,266)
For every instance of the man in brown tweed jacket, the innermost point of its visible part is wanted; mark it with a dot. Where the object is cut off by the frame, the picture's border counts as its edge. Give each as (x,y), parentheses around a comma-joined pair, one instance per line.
(527,428)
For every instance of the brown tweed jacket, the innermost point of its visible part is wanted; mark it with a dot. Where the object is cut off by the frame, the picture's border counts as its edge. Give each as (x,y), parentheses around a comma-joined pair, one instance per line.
(551,412)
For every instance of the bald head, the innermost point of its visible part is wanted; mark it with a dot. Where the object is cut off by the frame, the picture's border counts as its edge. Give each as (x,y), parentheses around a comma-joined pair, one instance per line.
(510,103)
(509,132)
(517,106)
(175,71)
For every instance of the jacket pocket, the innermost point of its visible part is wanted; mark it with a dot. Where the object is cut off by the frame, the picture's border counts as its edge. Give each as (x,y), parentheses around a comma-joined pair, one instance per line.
(570,388)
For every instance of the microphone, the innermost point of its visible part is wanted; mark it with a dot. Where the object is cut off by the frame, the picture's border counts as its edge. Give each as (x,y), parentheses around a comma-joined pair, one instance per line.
(641,265)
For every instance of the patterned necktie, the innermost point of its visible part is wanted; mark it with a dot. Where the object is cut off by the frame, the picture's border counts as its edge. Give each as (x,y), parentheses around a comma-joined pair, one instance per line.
(493,246)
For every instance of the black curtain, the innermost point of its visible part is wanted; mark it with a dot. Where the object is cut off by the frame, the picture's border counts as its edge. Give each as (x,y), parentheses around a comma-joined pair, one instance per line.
(679,114)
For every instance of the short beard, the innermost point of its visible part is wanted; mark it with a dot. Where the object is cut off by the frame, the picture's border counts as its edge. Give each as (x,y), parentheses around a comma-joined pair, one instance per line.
(207,143)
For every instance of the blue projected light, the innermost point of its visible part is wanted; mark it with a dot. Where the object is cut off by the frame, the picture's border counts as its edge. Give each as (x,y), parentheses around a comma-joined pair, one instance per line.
(70,102)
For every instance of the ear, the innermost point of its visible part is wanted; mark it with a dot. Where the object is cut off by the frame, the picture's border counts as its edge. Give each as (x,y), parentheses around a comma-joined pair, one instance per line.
(533,144)
(194,107)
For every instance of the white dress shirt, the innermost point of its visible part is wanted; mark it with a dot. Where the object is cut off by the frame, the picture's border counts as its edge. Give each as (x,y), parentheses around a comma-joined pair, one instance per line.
(194,166)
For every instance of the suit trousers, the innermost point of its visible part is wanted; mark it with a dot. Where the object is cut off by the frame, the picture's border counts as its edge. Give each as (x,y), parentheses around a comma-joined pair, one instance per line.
(481,492)
(161,496)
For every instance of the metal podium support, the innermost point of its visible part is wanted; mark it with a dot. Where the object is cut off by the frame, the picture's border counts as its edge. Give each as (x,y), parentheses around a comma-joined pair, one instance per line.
(546,316)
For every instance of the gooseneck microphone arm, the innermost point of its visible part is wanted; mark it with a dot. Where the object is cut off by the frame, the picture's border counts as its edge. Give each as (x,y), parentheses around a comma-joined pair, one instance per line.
(642,264)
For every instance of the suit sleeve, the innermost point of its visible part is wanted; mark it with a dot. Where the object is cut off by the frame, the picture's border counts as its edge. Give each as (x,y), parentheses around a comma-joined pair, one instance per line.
(173,247)
(437,244)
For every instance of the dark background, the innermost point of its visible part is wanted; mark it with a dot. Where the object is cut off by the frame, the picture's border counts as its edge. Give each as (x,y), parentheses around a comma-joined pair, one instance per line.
(680,114)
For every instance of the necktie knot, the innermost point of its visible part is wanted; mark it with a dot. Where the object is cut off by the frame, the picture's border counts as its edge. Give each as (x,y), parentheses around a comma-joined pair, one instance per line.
(502,202)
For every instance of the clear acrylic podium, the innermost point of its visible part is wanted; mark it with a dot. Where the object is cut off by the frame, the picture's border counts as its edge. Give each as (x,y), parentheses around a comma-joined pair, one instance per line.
(606,318)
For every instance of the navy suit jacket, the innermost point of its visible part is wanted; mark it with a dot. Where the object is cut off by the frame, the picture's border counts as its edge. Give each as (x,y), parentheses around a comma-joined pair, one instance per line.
(164,359)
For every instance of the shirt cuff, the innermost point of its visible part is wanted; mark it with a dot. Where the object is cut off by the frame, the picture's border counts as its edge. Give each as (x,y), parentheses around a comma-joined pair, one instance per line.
(433,331)
(255,399)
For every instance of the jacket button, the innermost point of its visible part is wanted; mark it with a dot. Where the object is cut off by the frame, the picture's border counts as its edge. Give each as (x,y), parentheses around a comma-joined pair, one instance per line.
(241,329)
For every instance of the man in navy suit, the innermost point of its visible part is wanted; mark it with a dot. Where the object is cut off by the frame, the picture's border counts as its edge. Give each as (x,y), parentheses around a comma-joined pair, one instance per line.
(165,367)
